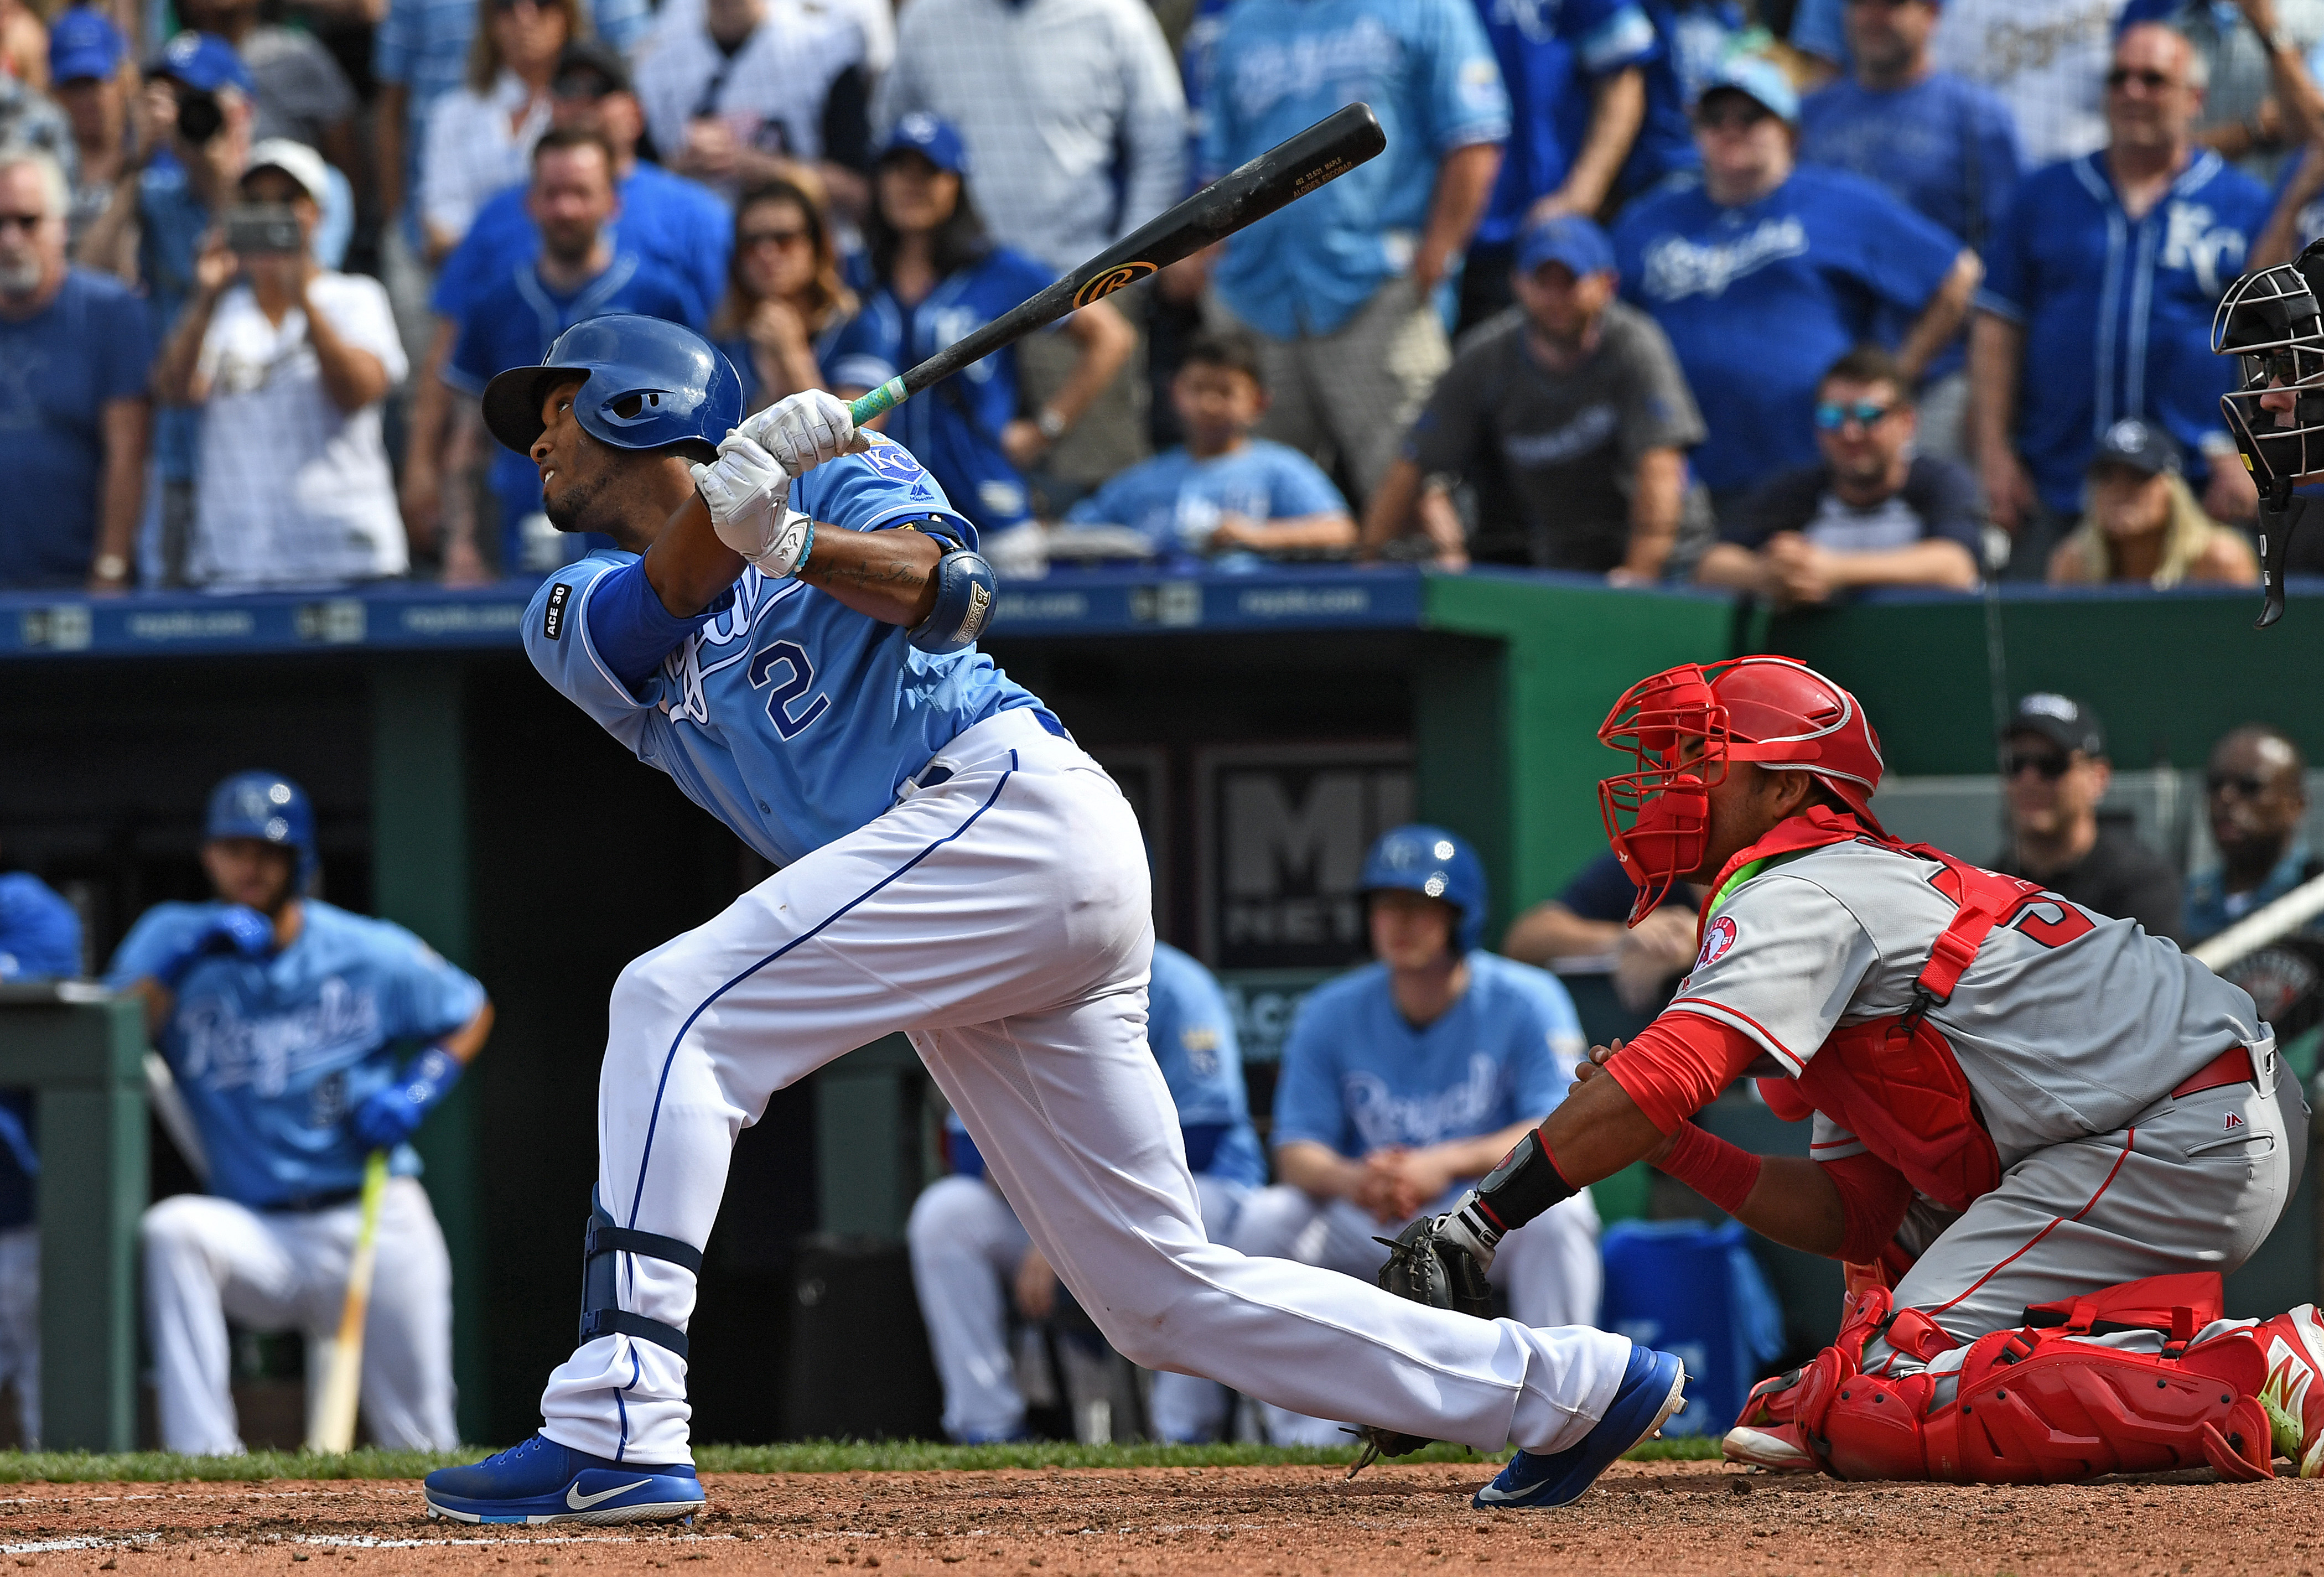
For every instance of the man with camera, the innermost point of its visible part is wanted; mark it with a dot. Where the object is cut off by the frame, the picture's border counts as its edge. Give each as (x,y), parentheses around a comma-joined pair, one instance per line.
(286,363)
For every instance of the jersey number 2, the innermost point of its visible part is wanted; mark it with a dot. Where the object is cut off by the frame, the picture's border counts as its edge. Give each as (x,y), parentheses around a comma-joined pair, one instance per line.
(787,654)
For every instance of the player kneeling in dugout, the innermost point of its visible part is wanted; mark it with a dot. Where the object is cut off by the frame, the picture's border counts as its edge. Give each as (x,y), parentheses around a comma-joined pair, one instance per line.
(2041,1135)
(1409,1076)
(971,1256)
(280,1017)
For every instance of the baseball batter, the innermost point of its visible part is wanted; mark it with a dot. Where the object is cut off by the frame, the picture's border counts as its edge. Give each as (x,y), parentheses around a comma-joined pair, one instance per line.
(788,632)
(281,1018)
(2039,1134)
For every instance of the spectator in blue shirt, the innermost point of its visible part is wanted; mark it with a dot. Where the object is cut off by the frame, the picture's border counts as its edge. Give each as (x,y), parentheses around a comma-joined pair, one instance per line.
(2262,99)
(1693,38)
(582,270)
(2099,291)
(1223,493)
(1404,1079)
(2255,789)
(939,278)
(1350,289)
(74,351)
(1871,513)
(1763,273)
(1575,71)
(1943,144)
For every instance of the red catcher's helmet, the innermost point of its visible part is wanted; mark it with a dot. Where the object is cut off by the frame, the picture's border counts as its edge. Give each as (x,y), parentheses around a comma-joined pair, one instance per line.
(1684,724)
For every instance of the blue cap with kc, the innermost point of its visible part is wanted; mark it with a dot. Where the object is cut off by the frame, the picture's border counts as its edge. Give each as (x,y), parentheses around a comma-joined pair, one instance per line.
(83,42)
(932,139)
(203,61)
(1567,238)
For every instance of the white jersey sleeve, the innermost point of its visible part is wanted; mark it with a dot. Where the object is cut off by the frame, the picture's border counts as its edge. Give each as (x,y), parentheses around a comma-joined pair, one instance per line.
(1781,961)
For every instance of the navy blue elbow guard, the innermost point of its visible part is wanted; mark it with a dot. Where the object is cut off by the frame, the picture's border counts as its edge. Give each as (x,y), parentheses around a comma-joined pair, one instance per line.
(964,601)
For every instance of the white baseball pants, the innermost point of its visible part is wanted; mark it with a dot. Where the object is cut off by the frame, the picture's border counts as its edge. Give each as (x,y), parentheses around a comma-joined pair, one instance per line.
(966,1244)
(1001,917)
(1549,1267)
(209,1261)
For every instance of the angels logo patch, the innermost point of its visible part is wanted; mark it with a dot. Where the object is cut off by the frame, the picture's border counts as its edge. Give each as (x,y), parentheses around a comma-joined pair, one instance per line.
(1716,941)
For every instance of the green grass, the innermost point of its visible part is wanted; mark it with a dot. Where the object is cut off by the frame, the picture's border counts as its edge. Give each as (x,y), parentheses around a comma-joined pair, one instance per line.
(816,1456)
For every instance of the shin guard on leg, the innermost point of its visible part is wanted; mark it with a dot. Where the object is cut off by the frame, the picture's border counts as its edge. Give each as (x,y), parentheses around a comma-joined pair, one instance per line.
(601,1311)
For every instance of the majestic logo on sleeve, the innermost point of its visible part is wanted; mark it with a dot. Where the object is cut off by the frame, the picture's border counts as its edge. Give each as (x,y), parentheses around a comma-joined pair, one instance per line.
(1716,941)
(1677,267)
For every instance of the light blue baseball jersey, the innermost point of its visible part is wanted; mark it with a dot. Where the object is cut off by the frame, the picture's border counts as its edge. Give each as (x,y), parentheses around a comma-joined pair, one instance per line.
(1279,66)
(1190,1031)
(1358,1077)
(272,1057)
(787,715)
(1175,501)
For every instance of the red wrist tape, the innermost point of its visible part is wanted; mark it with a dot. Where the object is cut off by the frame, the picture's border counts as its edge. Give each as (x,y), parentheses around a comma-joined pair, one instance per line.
(1718,1171)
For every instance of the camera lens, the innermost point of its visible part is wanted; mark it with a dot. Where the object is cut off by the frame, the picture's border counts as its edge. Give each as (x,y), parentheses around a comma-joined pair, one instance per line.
(200,118)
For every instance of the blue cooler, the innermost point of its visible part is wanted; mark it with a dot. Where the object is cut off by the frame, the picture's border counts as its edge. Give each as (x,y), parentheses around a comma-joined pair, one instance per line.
(1693,1290)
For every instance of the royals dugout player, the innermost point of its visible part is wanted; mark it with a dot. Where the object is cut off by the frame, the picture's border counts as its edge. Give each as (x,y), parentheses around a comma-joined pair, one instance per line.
(280,1016)
(789,634)
(2050,1129)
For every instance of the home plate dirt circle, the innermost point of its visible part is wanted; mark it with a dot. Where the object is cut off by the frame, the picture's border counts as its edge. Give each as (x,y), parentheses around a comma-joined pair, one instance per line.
(1666,1518)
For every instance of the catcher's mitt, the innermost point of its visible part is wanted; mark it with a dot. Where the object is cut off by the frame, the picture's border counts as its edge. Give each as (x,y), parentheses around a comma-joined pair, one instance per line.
(1424,1267)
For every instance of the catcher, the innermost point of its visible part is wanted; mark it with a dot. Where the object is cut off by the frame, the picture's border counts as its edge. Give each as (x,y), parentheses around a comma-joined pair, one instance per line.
(2040,1135)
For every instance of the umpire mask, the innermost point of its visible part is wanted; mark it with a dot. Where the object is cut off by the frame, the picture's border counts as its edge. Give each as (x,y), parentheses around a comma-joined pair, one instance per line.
(2270,322)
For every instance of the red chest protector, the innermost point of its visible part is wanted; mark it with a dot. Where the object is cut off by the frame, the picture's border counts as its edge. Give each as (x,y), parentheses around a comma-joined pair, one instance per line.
(1894,1082)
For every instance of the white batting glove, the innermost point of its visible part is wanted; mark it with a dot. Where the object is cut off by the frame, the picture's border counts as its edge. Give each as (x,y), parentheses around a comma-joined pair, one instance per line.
(803,431)
(749,496)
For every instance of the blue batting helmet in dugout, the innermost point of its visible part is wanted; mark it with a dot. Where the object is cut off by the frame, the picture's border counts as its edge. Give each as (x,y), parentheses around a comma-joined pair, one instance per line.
(270,808)
(647,384)
(1435,863)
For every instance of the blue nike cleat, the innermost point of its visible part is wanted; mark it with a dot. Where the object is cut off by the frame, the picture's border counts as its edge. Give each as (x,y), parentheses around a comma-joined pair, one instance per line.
(542,1482)
(1650,1392)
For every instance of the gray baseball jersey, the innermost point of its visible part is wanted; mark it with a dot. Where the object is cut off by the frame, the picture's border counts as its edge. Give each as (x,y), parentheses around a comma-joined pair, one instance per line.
(2066,1025)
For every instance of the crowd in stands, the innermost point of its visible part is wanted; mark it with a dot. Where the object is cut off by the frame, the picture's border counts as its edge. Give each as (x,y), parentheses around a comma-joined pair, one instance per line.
(1789,297)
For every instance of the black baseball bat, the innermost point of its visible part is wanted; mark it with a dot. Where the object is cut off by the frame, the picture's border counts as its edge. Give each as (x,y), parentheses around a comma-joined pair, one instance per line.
(1283,174)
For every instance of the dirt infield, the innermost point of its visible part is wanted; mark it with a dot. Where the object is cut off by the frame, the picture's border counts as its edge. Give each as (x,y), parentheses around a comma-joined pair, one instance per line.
(1660,1517)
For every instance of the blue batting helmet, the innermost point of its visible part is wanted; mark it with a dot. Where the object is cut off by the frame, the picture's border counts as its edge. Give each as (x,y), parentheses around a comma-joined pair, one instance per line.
(1435,864)
(647,384)
(271,808)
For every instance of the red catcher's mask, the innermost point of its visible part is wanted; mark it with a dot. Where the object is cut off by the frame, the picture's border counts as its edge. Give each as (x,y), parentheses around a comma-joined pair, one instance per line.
(1684,725)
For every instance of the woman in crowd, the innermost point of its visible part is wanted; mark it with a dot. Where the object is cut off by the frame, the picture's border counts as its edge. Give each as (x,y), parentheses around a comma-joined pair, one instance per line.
(2142,524)
(480,136)
(786,301)
(938,277)
(288,363)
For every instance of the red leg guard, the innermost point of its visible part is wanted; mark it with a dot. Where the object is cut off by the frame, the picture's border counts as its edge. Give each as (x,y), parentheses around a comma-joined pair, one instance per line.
(2036,1405)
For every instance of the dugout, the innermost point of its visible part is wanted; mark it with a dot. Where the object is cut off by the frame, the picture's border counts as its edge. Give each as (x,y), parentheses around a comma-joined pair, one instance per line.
(1267,725)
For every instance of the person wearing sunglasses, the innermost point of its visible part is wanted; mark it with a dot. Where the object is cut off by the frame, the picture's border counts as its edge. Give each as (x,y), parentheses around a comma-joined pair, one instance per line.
(1870,513)
(2099,292)
(2255,796)
(787,297)
(2054,772)
(1766,271)
(74,417)
(2143,525)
